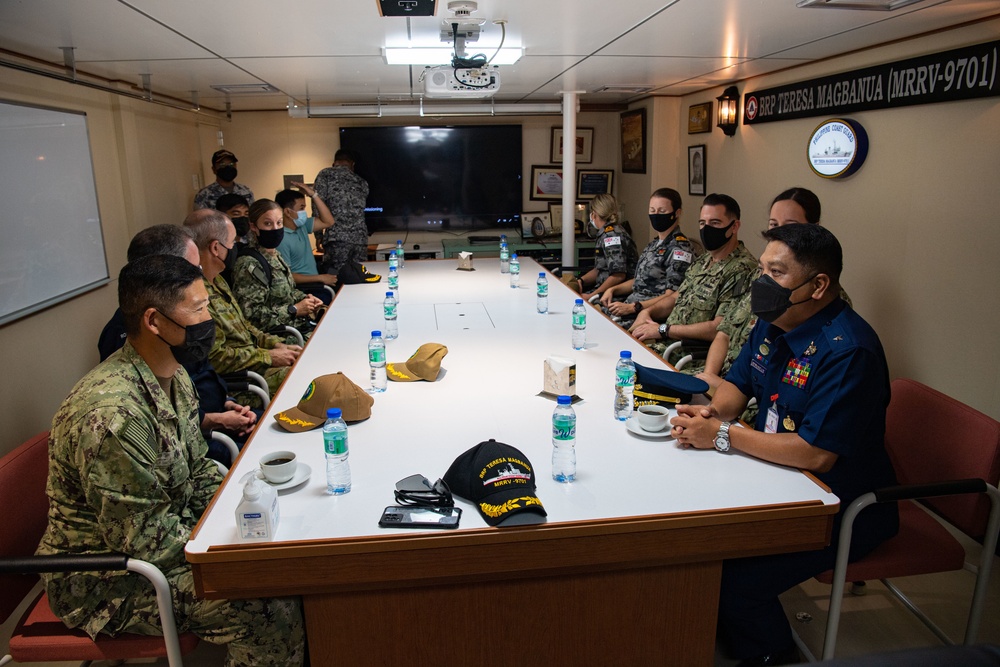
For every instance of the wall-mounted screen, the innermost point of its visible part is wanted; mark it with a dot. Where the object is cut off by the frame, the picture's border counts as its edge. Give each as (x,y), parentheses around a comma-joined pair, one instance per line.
(458,178)
(52,247)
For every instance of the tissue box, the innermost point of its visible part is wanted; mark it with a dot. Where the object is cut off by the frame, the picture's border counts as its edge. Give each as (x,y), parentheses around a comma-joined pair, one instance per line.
(560,376)
(465,261)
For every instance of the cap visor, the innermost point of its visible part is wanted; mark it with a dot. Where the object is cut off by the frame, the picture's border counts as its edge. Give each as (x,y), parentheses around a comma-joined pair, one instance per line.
(498,507)
(296,421)
(400,373)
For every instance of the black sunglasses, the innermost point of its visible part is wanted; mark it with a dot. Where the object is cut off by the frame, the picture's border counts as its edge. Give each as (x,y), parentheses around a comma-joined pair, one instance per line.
(418,491)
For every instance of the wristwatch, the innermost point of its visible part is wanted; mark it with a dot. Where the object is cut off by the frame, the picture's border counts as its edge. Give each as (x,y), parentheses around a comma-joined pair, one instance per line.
(638,306)
(293,311)
(722,437)
(664,331)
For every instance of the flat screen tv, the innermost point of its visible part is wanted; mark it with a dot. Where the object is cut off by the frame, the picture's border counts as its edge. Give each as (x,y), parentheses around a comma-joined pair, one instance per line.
(459,178)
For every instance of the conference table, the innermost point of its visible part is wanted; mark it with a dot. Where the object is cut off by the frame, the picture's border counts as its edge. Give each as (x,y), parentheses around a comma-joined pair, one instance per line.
(624,569)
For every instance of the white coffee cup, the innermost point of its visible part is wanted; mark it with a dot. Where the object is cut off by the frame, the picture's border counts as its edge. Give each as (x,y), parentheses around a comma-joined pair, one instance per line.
(278,467)
(652,417)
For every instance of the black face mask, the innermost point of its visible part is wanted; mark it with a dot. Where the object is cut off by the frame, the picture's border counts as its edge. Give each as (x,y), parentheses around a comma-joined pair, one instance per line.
(242,225)
(769,300)
(270,238)
(230,260)
(662,221)
(714,238)
(226,173)
(198,339)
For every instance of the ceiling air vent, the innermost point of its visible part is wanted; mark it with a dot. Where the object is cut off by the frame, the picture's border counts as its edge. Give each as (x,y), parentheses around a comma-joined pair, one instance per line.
(871,5)
(245,88)
(623,89)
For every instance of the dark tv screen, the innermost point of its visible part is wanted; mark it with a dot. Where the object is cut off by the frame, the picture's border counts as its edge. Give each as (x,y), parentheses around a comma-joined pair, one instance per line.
(458,178)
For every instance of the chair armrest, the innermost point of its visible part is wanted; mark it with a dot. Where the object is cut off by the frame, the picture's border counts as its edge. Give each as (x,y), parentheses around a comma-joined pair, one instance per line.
(917,491)
(39,564)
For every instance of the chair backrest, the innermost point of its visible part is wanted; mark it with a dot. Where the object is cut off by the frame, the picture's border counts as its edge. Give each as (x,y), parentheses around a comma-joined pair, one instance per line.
(23,474)
(931,437)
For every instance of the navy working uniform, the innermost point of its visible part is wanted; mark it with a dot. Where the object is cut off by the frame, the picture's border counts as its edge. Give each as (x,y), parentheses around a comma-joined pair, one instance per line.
(826,380)
(615,253)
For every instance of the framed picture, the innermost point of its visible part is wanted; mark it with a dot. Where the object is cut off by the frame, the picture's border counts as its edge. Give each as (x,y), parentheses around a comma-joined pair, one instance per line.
(633,126)
(546,182)
(696,169)
(580,214)
(584,145)
(535,224)
(593,182)
(700,118)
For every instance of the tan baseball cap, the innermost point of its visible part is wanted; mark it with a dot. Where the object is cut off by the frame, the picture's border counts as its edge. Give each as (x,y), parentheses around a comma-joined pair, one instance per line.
(326,391)
(424,364)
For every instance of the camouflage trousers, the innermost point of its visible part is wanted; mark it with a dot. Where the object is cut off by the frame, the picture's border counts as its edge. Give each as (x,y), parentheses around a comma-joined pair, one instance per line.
(257,632)
(336,255)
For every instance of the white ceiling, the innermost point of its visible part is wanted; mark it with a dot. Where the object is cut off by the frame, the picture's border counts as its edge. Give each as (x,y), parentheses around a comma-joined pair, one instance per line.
(329,51)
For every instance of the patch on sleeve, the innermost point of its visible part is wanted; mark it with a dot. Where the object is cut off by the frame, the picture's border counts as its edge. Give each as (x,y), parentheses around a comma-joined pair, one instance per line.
(257,271)
(136,437)
(680,255)
(612,240)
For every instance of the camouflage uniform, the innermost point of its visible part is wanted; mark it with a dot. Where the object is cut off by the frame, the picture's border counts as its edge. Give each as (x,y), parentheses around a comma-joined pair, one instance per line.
(661,267)
(210,194)
(614,253)
(128,473)
(345,194)
(238,344)
(709,289)
(266,306)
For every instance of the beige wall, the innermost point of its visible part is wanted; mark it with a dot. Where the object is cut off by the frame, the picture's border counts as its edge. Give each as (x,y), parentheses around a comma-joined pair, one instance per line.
(917,222)
(144,156)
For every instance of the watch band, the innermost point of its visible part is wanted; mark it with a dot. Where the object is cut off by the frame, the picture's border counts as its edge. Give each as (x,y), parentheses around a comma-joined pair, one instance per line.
(638,306)
(722,437)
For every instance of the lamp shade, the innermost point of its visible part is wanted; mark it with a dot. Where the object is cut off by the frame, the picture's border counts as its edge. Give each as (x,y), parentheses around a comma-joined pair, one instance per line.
(729,110)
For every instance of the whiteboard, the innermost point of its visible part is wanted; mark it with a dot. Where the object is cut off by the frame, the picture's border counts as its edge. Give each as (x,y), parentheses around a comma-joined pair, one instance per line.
(51,243)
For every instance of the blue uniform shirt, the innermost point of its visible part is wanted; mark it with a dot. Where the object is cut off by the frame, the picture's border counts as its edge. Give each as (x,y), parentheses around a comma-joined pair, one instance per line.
(296,249)
(829,382)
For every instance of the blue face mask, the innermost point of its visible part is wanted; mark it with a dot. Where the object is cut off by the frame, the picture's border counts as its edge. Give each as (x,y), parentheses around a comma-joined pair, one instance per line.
(301,217)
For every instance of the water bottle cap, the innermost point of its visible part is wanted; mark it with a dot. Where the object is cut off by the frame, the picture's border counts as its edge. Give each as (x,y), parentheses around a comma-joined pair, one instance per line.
(333,413)
(565,400)
(514,256)
(626,354)
(399,242)
(541,274)
(376,334)
(392,254)
(388,294)
(391,269)
(579,302)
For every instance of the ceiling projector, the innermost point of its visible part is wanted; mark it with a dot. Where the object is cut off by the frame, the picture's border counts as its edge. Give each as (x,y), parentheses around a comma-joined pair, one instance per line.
(463,82)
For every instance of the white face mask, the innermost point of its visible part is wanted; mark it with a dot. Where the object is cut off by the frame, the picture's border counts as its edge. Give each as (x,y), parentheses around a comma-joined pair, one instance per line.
(301,217)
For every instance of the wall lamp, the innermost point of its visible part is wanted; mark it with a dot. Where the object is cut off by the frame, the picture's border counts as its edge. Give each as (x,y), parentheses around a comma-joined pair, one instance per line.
(729,109)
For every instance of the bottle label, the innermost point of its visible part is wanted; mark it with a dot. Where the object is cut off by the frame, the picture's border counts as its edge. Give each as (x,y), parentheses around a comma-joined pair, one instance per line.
(504,254)
(579,320)
(563,430)
(393,281)
(515,268)
(336,442)
(376,355)
(390,311)
(626,378)
(543,289)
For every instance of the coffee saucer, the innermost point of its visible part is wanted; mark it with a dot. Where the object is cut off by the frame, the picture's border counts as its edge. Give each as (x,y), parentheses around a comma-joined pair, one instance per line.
(302,473)
(632,424)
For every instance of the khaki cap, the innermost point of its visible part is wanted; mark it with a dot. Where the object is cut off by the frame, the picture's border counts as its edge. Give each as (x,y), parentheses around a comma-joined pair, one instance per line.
(424,364)
(326,391)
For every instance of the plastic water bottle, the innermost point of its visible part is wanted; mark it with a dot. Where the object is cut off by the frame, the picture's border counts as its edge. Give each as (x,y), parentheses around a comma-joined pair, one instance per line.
(504,258)
(503,241)
(542,293)
(624,386)
(394,283)
(515,271)
(376,361)
(564,441)
(579,325)
(393,260)
(400,254)
(389,308)
(338,470)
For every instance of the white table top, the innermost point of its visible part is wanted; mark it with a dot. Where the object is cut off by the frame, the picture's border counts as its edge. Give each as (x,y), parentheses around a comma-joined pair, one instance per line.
(488,389)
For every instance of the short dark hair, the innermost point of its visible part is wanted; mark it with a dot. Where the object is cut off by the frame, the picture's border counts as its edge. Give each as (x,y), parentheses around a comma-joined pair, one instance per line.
(229,200)
(345,155)
(731,205)
(286,198)
(159,240)
(669,193)
(157,281)
(260,207)
(814,247)
(807,199)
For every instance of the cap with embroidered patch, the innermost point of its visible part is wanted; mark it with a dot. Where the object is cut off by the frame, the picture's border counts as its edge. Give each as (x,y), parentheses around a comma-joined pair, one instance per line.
(661,386)
(498,478)
(222,154)
(327,391)
(424,364)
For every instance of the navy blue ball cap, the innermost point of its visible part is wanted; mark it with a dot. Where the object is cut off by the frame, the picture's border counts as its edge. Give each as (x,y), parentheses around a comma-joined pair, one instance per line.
(498,478)
(661,386)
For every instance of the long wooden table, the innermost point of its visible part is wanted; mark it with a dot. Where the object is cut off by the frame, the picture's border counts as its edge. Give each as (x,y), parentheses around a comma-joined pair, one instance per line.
(625,569)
